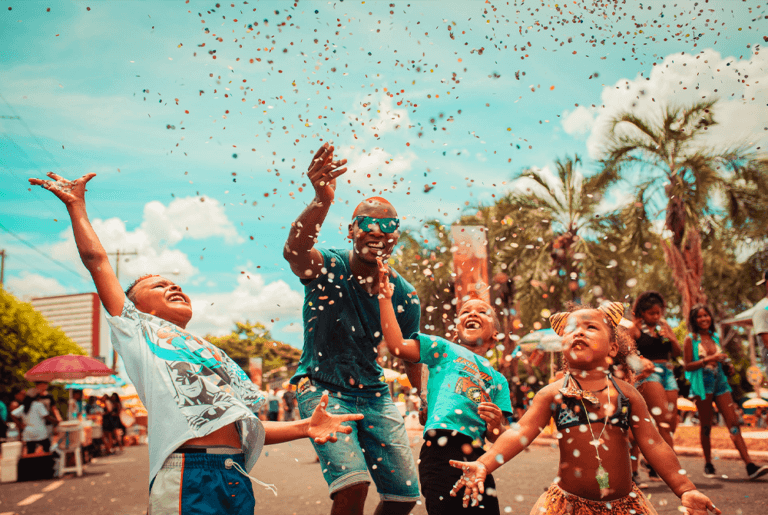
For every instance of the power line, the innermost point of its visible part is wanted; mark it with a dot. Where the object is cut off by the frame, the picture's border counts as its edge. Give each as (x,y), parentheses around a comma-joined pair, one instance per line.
(25,242)
(39,144)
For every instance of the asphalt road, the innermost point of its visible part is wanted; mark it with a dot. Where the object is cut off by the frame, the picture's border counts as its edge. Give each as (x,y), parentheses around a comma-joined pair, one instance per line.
(117,485)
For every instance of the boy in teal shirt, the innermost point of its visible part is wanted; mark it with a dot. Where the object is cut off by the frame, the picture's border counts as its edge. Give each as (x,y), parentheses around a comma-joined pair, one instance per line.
(468,400)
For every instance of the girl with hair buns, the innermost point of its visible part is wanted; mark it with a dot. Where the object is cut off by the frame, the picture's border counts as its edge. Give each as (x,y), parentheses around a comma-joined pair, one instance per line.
(657,344)
(594,413)
(705,368)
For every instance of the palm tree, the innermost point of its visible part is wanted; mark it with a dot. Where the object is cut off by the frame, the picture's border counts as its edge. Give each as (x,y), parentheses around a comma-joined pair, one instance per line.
(571,204)
(679,172)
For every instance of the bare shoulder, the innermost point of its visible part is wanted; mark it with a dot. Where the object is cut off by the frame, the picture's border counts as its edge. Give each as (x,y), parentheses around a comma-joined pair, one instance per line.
(552,390)
(629,390)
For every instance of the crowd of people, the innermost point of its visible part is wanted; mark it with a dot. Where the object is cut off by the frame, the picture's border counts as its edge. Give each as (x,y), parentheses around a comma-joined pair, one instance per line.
(35,415)
(614,400)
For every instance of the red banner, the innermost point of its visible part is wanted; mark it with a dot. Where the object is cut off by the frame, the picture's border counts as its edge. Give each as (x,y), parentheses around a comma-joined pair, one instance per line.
(470,263)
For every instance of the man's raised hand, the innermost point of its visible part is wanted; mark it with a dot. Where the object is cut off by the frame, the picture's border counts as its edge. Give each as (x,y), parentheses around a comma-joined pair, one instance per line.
(68,192)
(322,173)
(323,426)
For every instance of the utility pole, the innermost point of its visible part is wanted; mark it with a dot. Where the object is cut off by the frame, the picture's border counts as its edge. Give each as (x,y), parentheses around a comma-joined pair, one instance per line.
(117,255)
(2,266)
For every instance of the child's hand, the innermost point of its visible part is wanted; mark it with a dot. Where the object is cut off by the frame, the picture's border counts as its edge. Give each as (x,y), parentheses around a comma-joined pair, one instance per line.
(323,426)
(472,480)
(386,289)
(68,192)
(696,503)
(493,418)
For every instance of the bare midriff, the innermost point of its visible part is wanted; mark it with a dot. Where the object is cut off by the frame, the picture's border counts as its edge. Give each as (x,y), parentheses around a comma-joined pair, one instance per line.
(227,435)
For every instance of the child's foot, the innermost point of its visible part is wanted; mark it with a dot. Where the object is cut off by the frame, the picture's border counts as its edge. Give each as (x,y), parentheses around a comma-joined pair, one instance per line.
(709,471)
(754,472)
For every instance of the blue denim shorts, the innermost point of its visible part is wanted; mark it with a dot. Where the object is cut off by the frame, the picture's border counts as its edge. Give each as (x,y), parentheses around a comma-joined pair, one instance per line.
(662,373)
(715,381)
(378,444)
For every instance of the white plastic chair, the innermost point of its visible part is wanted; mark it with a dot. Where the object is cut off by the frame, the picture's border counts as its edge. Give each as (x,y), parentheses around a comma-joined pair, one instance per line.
(70,442)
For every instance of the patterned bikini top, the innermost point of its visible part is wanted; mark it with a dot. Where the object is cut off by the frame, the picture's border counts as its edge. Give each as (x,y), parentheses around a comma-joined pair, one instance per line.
(570,411)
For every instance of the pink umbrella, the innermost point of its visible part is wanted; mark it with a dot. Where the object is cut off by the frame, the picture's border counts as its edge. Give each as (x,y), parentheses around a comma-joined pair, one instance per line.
(70,366)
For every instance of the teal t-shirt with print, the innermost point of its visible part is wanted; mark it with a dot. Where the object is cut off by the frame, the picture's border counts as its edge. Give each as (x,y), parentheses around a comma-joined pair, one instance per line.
(342,327)
(459,380)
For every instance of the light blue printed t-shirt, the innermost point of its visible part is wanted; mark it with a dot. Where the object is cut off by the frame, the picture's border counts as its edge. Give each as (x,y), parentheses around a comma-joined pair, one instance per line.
(459,380)
(189,386)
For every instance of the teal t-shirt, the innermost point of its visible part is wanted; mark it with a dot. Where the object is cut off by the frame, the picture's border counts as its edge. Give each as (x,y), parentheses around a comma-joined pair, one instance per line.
(459,380)
(342,327)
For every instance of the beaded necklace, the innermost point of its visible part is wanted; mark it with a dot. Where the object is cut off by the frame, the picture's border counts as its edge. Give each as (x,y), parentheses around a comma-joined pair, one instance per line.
(602,475)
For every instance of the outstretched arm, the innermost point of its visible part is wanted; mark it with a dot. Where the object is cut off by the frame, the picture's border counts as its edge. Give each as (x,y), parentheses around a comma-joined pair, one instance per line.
(93,255)
(321,427)
(663,459)
(407,350)
(306,261)
(507,446)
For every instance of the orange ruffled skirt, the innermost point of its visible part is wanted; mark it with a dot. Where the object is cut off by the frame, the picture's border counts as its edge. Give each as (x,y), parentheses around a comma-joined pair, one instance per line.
(557,501)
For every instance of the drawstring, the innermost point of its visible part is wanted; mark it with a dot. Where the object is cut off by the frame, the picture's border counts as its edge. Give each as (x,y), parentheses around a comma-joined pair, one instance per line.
(229,463)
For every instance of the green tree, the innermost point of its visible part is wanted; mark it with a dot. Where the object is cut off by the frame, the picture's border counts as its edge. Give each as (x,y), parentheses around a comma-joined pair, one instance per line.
(682,175)
(249,340)
(26,339)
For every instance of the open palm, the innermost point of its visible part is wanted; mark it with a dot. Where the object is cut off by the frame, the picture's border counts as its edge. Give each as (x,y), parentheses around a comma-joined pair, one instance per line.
(323,426)
(67,191)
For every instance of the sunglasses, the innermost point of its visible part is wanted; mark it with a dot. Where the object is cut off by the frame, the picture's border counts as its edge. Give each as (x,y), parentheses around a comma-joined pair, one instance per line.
(386,225)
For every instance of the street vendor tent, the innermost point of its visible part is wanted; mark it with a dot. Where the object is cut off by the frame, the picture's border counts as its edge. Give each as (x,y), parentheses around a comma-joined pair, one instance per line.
(743,319)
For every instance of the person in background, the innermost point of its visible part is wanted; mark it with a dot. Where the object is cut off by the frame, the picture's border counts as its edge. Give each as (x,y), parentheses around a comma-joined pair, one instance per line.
(273,406)
(16,400)
(92,407)
(3,418)
(656,342)
(76,406)
(760,322)
(289,404)
(34,417)
(707,369)
(118,429)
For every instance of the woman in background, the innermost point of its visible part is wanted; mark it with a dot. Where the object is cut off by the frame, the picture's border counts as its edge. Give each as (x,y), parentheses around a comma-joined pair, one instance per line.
(707,368)
(655,341)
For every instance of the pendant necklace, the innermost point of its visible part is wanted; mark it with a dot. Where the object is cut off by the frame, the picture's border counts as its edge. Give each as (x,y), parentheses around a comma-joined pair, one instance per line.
(602,475)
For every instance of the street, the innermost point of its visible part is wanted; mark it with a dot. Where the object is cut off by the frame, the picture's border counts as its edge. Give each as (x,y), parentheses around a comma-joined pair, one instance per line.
(117,485)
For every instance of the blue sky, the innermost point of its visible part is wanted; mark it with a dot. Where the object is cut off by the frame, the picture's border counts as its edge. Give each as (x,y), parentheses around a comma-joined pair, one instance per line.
(201,161)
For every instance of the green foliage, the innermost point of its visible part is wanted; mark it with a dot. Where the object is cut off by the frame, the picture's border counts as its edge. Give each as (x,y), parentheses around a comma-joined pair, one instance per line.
(254,340)
(26,339)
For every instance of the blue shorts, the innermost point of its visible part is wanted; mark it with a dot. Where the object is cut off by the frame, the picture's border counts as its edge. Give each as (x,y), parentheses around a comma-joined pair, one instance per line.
(378,444)
(201,484)
(715,381)
(662,373)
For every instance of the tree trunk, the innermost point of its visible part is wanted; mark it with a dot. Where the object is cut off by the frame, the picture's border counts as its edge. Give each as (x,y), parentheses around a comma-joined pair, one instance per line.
(687,265)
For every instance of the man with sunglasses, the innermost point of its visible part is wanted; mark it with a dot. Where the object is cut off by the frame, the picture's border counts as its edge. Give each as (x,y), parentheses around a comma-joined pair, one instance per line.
(342,333)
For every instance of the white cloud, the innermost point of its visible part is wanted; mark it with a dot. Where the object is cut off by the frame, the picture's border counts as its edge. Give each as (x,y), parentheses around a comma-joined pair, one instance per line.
(380,116)
(682,79)
(253,299)
(377,169)
(149,259)
(162,227)
(193,217)
(28,285)
(578,122)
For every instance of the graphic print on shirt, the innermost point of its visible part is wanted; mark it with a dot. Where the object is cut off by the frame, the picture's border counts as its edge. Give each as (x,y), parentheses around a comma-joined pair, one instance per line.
(474,384)
(204,385)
